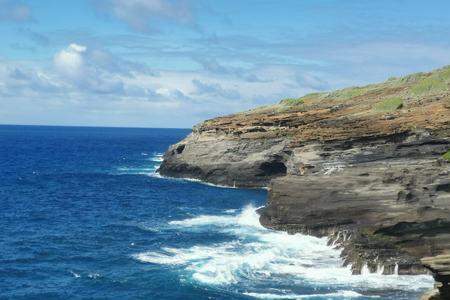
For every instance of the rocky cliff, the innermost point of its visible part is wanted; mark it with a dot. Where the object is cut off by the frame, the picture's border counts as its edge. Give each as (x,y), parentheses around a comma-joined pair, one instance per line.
(367,166)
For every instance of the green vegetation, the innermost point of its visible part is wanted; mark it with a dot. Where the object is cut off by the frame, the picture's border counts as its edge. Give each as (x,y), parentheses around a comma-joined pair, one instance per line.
(389,104)
(389,96)
(292,101)
(311,96)
(351,92)
(432,83)
(446,156)
(302,100)
(429,85)
(413,77)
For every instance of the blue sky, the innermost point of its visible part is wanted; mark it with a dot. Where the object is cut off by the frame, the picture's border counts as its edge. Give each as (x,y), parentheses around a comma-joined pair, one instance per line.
(174,63)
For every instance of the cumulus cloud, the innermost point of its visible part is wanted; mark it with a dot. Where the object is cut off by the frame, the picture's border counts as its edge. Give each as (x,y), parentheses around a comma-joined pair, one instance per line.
(69,61)
(91,81)
(140,15)
(86,79)
(14,11)
(97,70)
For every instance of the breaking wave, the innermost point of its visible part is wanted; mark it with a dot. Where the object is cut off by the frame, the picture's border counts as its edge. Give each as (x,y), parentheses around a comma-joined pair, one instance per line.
(337,295)
(261,260)
(142,166)
(157,157)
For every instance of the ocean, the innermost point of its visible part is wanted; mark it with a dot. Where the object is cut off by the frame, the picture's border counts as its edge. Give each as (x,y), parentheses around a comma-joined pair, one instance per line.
(83,215)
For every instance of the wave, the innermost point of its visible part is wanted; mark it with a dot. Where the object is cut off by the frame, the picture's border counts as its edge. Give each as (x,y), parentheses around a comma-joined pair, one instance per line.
(248,217)
(145,168)
(257,256)
(76,275)
(339,295)
(157,157)
(137,170)
(195,180)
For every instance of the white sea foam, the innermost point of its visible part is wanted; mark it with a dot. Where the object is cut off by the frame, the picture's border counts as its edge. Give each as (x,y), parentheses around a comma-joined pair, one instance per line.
(150,169)
(203,182)
(204,220)
(256,255)
(93,275)
(248,218)
(157,157)
(187,179)
(76,275)
(339,295)
(137,169)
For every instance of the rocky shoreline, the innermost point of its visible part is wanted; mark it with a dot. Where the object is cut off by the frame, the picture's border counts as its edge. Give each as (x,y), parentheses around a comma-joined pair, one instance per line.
(349,165)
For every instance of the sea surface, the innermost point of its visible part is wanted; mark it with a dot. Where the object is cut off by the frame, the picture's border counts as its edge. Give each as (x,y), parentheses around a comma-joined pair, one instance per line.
(83,215)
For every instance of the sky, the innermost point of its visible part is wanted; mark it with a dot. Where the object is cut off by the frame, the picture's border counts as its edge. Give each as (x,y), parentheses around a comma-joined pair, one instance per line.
(174,63)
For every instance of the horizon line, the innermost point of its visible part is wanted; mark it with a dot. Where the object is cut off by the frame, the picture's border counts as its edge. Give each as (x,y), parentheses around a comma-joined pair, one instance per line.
(92,126)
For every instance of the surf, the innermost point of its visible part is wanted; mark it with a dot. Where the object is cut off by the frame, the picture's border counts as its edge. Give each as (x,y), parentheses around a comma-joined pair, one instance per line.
(256,256)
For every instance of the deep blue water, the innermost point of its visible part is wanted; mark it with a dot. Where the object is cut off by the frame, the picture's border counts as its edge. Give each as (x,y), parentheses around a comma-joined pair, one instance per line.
(84,216)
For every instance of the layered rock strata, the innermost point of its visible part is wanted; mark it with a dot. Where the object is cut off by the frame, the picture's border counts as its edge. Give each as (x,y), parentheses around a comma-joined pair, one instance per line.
(363,166)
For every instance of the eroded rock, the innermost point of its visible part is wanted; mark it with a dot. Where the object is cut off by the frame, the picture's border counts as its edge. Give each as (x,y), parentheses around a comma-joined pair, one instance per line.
(337,165)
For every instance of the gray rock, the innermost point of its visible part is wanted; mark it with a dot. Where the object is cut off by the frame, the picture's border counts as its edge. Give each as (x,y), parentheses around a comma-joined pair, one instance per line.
(385,200)
(226,160)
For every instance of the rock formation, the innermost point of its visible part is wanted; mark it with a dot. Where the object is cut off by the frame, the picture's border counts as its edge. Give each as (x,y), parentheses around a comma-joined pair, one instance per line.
(366,166)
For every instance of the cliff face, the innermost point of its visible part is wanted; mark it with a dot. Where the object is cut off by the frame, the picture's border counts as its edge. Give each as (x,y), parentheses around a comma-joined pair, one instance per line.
(226,160)
(363,166)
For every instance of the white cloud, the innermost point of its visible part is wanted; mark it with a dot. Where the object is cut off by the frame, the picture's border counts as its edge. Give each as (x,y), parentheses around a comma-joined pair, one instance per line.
(88,85)
(69,61)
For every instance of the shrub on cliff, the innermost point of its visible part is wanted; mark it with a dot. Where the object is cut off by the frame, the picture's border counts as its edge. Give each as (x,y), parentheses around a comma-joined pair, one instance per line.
(446,156)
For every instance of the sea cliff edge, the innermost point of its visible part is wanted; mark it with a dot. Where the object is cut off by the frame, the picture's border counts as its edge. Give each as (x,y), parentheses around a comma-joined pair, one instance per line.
(367,167)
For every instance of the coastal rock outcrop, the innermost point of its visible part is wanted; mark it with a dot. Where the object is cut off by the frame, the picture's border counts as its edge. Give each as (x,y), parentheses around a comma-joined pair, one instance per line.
(386,213)
(366,166)
(226,160)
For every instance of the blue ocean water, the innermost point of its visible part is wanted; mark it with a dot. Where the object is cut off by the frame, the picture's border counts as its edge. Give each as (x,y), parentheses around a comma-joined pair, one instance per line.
(83,215)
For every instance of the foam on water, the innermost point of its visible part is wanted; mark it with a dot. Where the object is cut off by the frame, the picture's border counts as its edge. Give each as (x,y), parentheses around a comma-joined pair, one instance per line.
(337,295)
(144,167)
(157,157)
(76,275)
(248,217)
(257,255)
(200,182)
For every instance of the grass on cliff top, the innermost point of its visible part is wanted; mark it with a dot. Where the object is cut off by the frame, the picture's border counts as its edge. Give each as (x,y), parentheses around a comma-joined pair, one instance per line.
(351,92)
(431,83)
(413,87)
(389,105)
(446,156)
(292,101)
